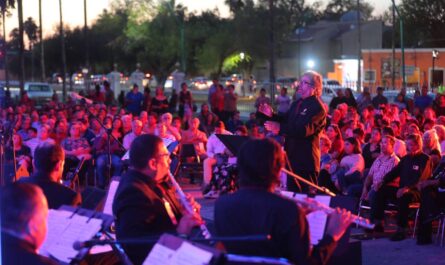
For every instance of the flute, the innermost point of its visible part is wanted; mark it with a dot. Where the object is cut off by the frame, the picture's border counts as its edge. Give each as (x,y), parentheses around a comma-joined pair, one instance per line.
(360,221)
(187,206)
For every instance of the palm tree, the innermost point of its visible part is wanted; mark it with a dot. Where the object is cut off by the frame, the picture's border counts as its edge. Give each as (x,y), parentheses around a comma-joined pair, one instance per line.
(4,6)
(42,49)
(30,28)
(21,45)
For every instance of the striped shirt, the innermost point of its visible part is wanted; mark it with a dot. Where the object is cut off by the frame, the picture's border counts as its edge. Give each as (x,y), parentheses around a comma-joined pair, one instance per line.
(382,165)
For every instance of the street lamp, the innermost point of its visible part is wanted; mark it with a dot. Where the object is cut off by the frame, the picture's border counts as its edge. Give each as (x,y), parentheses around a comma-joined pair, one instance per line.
(435,54)
(242,55)
(310,64)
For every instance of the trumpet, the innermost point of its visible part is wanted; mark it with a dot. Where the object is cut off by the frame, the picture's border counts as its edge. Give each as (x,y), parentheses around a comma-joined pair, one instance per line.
(187,206)
(360,221)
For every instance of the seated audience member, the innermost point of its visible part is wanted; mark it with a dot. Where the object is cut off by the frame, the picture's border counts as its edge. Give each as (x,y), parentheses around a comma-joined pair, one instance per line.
(116,152)
(432,202)
(255,209)
(214,148)
(145,204)
(167,119)
(196,137)
(135,132)
(48,163)
(371,150)
(399,145)
(414,167)
(24,213)
(42,137)
(207,119)
(22,155)
(431,142)
(234,122)
(349,173)
(76,148)
(373,183)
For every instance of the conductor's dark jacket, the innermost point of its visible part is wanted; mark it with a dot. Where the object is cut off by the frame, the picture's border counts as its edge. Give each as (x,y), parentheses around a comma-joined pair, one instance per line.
(255,211)
(56,194)
(141,214)
(301,127)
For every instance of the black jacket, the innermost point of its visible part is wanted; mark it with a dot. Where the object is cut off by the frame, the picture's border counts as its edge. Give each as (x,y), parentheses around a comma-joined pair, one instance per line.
(56,194)
(255,211)
(301,126)
(140,213)
(16,251)
(410,169)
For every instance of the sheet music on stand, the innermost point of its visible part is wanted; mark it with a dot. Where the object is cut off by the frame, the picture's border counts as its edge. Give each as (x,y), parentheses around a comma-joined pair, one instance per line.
(66,227)
(317,220)
(171,250)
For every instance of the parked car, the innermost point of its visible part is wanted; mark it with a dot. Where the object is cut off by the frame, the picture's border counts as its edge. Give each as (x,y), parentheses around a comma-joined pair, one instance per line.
(201,83)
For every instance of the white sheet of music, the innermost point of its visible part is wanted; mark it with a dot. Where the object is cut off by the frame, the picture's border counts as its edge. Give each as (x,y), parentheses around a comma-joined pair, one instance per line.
(186,254)
(64,230)
(159,255)
(108,207)
(317,220)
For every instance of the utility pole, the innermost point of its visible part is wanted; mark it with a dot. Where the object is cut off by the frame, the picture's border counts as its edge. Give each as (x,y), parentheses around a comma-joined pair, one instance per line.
(62,40)
(271,51)
(42,49)
(359,45)
(393,60)
(86,77)
(5,50)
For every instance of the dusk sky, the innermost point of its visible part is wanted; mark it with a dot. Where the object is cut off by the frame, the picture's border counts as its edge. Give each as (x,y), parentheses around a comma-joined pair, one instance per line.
(73,10)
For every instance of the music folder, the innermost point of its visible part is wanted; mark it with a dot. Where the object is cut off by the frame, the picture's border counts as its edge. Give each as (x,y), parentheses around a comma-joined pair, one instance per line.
(172,250)
(67,225)
(232,142)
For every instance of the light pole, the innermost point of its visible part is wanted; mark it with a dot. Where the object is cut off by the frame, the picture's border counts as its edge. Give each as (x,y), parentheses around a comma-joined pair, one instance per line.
(435,54)
(402,44)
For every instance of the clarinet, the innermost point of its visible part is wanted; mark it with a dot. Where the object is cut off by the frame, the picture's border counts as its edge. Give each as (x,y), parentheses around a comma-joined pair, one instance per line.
(186,204)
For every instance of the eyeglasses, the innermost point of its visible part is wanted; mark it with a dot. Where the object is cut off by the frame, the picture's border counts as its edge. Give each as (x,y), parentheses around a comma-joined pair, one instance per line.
(162,155)
(307,83)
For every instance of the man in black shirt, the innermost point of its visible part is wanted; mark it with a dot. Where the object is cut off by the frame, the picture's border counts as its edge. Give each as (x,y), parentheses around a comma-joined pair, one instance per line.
(255,209)
(412,168)
(24,211)
(145,205)
(49,160)
(301,127)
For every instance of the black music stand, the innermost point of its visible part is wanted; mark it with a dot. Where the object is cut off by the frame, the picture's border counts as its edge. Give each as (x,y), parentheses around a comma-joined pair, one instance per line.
(232,142)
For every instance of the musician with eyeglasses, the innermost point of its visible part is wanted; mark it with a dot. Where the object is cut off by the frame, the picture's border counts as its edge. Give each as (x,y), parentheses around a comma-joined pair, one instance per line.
(255,209)
(146,205)
(301,126)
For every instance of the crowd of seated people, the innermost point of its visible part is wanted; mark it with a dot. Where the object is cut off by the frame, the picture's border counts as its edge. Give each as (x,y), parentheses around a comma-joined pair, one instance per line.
(384,152)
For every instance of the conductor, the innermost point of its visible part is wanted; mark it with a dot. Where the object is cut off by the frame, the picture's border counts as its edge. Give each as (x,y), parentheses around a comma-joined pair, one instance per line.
(301,127)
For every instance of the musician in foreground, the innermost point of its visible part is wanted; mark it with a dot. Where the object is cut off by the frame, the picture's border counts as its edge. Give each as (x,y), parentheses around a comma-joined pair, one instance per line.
(145,204)
(255,209)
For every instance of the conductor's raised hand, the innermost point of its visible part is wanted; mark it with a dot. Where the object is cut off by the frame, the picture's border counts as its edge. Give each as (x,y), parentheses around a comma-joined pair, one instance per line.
(266,109)
(272,126)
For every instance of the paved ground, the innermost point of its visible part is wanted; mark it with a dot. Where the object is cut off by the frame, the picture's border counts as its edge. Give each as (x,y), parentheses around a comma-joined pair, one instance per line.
(374,251)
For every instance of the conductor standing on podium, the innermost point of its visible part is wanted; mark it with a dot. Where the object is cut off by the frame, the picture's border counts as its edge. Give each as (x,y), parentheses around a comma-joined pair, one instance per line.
(301,127)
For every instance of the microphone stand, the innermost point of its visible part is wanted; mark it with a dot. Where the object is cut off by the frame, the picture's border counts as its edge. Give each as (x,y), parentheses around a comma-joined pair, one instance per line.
(109,137)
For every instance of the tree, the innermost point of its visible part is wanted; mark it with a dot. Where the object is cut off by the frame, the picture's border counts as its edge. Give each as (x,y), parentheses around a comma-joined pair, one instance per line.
(31,28)
(337,8)
(5,5)
(425,22)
